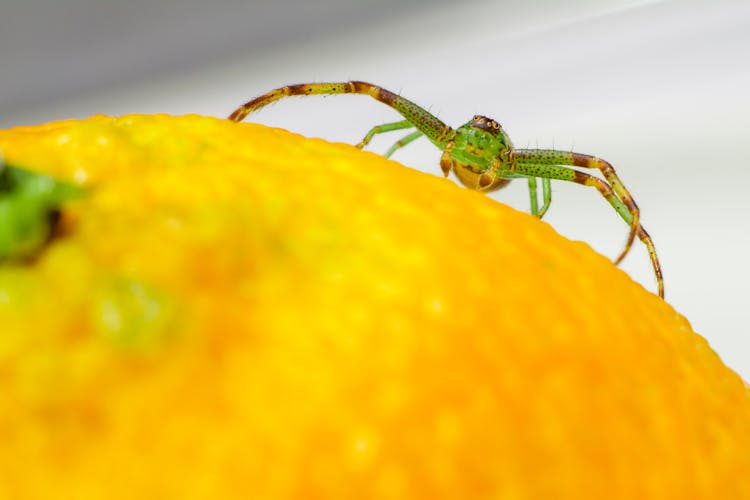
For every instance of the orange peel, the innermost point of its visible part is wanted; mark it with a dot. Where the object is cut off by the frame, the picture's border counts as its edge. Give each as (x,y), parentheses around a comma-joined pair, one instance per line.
(235,311)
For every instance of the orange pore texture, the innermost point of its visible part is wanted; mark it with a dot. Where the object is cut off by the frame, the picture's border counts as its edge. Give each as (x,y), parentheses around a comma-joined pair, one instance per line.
(239,312)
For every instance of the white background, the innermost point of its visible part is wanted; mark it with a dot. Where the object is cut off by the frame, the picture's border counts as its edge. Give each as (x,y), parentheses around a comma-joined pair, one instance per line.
(659,88)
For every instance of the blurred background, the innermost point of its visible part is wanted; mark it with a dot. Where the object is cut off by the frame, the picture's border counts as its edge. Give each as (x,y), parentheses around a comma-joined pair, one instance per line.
(659,88)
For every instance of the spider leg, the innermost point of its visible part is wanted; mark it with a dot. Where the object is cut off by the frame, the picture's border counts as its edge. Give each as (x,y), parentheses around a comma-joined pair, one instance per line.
(389,127)
(403,142)
(446,159)
(550,157)
(380,129)
(546,196)
(532,197)
(608,171)
(438,132)
(622,207)
(646,239)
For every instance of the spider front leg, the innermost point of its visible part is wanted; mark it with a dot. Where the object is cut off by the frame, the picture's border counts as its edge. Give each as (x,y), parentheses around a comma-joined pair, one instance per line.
(435,130)
(553,164)
(551,157)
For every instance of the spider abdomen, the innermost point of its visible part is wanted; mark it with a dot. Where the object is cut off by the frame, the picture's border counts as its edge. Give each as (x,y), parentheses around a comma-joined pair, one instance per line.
(474,178)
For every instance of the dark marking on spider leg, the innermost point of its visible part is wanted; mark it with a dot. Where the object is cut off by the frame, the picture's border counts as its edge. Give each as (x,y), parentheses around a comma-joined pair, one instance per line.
(437,131)
(612,198)
(240,113)
(604,188)
(608,171)
(646,239)
(425,122)
(289,90)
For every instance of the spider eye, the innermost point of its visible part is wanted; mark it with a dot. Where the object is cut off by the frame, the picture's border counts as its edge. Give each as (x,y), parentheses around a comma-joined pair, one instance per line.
(486,124)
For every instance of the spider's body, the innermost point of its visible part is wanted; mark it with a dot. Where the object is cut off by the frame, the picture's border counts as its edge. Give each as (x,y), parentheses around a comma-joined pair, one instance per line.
(482,155)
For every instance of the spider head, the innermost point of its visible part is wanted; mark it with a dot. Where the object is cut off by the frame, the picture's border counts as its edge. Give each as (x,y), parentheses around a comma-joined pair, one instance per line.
(480,141)
(480,151)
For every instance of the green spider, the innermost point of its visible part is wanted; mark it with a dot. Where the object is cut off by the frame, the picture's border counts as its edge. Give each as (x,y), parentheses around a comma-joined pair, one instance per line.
(482,156)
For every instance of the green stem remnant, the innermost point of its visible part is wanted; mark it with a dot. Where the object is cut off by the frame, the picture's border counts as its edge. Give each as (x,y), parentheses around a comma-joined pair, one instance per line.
(29,207)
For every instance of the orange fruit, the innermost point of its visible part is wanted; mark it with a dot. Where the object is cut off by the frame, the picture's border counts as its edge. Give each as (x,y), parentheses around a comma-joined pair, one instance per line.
(238,312)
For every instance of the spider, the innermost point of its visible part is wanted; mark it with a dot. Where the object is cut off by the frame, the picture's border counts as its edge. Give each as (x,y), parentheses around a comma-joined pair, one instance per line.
(482,156)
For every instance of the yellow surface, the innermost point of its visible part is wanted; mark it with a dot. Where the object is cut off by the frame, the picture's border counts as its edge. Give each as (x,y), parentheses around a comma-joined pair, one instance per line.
(238,312)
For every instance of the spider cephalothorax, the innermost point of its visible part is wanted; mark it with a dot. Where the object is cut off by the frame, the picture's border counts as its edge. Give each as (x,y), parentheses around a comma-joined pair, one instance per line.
(480,154)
